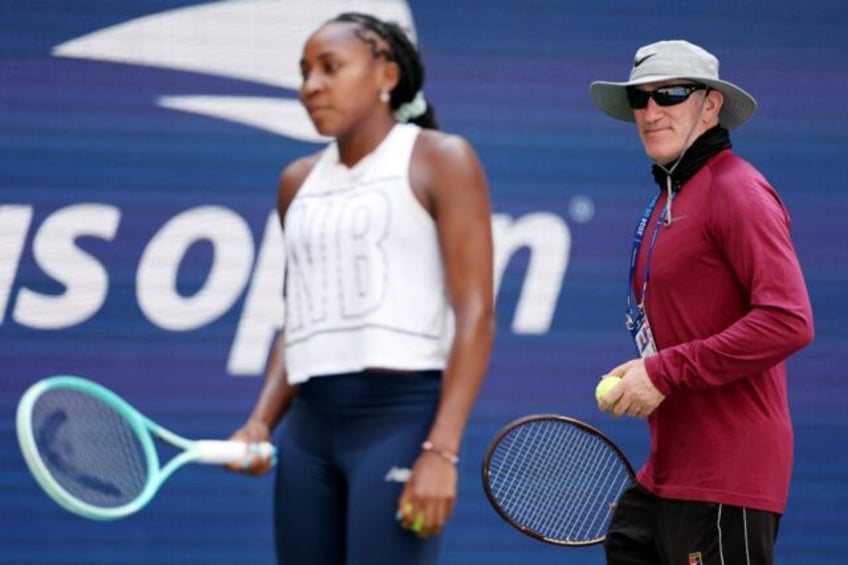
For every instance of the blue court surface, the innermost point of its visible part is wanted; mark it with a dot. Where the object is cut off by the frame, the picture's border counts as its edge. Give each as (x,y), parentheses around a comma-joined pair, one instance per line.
(140,145)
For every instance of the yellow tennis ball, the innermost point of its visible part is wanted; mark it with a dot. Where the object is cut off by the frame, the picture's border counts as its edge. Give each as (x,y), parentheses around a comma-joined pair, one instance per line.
(605,385)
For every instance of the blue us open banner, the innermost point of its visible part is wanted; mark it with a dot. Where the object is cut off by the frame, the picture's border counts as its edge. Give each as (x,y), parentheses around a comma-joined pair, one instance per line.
(140,146)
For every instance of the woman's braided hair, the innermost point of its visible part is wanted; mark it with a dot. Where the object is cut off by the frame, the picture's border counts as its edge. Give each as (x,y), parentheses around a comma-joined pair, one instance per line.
(401,51)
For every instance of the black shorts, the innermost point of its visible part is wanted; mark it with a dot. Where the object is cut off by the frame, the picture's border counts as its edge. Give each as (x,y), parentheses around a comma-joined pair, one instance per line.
(648,530)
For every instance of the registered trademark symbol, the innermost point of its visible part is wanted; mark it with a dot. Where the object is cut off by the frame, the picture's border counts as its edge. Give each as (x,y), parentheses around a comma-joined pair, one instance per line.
(581,209)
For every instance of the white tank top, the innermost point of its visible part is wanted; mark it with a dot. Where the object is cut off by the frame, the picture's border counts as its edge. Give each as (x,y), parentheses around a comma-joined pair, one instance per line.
(365,283)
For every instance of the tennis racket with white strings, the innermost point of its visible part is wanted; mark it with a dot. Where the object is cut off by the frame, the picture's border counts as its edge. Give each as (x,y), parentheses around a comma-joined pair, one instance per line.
(96,455)
(555,479)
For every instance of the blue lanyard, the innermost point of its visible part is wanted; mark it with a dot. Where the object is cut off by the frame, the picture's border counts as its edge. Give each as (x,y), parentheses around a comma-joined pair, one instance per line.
(634,255)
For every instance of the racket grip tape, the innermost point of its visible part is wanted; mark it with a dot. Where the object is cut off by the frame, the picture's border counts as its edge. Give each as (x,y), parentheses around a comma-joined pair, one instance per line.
(224,451)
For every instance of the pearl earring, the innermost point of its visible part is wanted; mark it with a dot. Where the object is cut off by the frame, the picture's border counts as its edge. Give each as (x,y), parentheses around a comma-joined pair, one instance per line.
(384,96)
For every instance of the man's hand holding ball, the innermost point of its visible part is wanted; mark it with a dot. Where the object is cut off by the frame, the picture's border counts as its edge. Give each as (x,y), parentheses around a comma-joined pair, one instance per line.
(607,383)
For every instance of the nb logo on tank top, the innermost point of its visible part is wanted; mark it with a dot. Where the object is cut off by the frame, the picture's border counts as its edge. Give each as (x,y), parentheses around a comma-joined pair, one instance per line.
(338,267)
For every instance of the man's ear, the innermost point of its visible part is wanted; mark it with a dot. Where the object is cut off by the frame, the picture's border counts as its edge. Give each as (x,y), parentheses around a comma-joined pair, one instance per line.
(715,100)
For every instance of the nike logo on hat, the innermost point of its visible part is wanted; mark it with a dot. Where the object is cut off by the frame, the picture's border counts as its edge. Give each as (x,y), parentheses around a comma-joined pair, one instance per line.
(642,60)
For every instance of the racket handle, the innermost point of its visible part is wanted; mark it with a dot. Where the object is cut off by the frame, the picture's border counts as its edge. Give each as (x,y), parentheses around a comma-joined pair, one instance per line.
(224,451)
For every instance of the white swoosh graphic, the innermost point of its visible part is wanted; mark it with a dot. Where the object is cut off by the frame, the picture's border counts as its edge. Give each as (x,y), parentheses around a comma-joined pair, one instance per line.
(278,115)
(254,40)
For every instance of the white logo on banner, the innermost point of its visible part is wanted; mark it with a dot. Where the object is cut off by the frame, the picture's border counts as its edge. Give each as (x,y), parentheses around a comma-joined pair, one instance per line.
(253,40)
(86,279)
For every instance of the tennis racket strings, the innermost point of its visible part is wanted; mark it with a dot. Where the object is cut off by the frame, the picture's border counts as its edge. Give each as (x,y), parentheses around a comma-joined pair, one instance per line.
(559,481)
(88,448)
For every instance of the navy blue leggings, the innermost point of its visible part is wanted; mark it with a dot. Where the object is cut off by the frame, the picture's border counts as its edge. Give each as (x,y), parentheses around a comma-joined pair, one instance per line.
(341,446)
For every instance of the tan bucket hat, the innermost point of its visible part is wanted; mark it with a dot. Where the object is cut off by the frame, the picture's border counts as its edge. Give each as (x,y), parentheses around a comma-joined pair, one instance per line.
(668,60)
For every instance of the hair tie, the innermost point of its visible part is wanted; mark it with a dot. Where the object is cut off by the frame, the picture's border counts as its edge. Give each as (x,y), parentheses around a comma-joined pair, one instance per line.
(412,109)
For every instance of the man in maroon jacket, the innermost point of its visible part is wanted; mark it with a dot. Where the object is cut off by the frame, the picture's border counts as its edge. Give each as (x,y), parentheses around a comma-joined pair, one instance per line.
(716,303)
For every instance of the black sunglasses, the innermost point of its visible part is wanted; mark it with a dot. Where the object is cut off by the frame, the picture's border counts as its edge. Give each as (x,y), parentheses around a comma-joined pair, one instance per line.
(663,96)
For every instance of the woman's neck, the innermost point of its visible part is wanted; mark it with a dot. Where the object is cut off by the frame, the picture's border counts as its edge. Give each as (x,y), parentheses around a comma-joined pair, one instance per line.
(362,140)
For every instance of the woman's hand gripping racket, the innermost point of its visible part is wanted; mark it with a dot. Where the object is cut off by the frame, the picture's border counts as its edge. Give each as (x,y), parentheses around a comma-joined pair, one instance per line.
(95,454)
(555,479)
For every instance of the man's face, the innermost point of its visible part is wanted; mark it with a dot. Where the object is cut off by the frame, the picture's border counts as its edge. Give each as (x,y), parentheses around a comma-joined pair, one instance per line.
(666,131)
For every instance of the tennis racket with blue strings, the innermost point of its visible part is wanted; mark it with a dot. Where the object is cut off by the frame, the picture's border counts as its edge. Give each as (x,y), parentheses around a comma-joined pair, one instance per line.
(555,479)
(96,455)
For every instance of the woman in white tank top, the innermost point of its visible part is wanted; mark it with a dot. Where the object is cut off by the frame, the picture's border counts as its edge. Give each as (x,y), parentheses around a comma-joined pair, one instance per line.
(388,278)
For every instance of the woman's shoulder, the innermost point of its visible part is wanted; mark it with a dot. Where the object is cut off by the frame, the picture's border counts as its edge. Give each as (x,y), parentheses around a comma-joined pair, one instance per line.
(442,148)
(292,178)
(297,171)
(442,163)
(441,141)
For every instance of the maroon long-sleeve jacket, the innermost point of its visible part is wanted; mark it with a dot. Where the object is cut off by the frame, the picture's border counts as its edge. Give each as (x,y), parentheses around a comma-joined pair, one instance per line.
(727,304)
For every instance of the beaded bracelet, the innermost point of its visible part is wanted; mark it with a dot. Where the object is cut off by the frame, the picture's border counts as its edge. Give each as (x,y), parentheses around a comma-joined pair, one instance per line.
(448,456)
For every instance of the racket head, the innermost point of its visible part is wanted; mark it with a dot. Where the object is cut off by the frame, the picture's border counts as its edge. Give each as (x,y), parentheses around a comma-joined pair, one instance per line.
(555,479)
(87,448)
